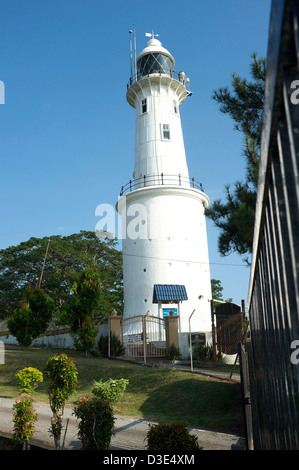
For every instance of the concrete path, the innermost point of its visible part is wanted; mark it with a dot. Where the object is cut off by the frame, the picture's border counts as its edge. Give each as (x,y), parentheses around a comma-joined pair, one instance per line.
(129,434)
(219,374)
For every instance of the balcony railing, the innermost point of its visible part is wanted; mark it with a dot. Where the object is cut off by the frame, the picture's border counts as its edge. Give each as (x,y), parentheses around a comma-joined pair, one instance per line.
(180,77)
(160,180)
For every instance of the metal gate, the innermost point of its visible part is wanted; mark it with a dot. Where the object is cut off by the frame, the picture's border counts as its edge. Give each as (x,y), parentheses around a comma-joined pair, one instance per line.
(246,397)
(143,336)
(230,327)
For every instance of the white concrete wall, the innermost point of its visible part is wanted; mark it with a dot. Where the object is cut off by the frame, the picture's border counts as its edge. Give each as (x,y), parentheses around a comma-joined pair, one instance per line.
(153,154)
(170,248)
(63,341)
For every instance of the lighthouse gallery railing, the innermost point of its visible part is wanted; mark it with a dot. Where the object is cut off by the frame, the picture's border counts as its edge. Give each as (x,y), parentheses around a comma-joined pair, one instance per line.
(168,73)
(160,179)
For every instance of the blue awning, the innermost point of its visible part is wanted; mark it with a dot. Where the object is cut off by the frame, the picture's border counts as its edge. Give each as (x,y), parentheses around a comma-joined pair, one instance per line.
(168,293)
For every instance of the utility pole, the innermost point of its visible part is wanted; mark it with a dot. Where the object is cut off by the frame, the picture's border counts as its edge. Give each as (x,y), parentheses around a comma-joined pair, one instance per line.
(41,276)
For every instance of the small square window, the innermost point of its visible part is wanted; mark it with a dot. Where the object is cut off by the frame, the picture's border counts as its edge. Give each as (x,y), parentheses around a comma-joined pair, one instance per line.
(143,106)
(165,132)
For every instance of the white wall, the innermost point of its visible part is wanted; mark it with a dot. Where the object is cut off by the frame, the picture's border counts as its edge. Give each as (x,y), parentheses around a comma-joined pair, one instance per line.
(63,341)
(153,154)
(170,248)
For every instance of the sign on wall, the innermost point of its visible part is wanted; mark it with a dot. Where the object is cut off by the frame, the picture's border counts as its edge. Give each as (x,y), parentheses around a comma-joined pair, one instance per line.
(167,310)
(198,338)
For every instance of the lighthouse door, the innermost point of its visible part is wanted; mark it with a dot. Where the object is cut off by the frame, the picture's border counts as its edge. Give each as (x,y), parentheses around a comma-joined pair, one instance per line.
(143,336)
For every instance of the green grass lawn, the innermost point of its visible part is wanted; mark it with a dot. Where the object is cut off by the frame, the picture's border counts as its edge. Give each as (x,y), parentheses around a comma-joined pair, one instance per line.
(152,393)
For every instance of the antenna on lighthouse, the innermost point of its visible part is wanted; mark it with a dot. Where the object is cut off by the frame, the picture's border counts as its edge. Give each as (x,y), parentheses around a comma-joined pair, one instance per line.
(131,58)
(135,65)
(130,32)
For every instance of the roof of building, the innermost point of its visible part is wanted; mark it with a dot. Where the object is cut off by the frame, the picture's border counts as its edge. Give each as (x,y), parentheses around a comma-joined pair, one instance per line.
(169,293)
(155,46)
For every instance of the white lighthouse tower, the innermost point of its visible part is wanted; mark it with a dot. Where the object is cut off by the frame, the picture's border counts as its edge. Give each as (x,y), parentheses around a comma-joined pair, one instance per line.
(165,249)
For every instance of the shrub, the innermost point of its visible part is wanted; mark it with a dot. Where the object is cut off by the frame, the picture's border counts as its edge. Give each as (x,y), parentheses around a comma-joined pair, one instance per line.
(24,419)
(116,347)
(86,336)
(111,390)
(62,372)
(203,352)
(173,437)
(95,428)
(29,378)
(33,317)
(173,353)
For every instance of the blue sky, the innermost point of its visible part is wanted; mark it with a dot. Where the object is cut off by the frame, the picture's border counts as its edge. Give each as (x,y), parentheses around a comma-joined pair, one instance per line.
(66,130)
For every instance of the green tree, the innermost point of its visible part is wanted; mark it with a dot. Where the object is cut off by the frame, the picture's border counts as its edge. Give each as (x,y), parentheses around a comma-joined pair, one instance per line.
(33,317)
(217,289)
(24,420)
(67,257)
(62,372)
(235,215)
(29,378)
(96,422)
(217,292)
(80,311)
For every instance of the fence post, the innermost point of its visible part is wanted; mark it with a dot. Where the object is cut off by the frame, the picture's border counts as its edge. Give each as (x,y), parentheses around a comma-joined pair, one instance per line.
(213,332)
(144,337)
(114,327)
(171,330)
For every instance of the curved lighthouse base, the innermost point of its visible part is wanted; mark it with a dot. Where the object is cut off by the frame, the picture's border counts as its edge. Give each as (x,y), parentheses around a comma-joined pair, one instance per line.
(165,257)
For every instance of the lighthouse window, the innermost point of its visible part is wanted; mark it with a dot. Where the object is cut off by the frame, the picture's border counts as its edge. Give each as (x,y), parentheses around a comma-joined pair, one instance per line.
(143,106)
(154,63)
(165,132)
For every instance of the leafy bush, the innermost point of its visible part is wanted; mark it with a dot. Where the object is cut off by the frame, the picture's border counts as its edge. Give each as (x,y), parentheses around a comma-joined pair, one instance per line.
(111,390)
(173,437)
(95,428)
(173,353)
(62,372)
(29,378)
(24,419)
(33,317)
(85,341)
(203,352)
(116,347)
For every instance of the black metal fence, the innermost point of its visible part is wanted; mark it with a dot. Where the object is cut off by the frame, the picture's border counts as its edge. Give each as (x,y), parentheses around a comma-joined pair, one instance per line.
(274,285)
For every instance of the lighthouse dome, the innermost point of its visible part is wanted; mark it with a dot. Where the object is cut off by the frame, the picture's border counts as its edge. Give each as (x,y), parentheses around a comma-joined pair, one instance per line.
(154,58)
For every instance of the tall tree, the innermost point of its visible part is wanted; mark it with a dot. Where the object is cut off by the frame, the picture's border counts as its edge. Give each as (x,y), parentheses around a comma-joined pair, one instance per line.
(235,215)
(33,317)
(80,311)
(217,292)
(67,257)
